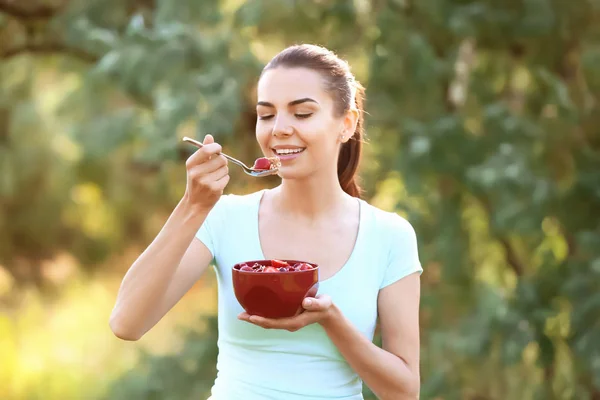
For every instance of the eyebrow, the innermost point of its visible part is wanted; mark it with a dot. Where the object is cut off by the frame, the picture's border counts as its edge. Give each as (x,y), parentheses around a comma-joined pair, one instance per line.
(291,103)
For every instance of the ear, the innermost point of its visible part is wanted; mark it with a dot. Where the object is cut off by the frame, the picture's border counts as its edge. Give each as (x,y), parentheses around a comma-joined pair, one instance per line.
(349,124)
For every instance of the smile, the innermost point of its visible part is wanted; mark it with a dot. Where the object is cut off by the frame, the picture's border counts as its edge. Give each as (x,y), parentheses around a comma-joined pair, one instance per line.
(285,152)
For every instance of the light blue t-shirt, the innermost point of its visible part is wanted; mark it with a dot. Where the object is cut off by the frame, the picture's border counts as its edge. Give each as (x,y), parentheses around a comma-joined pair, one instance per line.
(262,364)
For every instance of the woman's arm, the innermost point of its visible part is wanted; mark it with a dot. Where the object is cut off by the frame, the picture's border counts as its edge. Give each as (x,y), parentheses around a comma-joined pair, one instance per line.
(161,275)
(391,372)
(168,268)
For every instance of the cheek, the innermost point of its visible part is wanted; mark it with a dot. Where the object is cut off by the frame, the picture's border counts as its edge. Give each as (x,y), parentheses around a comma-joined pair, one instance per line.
(263,134)
(323,149)
(323,134)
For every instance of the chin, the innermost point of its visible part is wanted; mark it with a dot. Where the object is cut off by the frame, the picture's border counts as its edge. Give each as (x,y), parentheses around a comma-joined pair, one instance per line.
(294,173)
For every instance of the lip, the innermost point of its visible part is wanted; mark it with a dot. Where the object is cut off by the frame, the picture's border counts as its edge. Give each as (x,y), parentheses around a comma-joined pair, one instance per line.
(287,146)
(287,157)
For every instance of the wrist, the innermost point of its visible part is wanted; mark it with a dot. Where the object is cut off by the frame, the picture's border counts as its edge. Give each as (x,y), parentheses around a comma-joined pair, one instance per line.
(332,317)
(192,211)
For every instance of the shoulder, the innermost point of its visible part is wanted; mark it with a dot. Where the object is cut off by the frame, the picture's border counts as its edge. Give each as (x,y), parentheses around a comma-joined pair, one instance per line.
(390,224)
(230,210)
(397,241)
(234,207)
(231,201)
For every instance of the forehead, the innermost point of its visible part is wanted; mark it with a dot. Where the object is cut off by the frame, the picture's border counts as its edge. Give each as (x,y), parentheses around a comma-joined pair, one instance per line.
(282,85)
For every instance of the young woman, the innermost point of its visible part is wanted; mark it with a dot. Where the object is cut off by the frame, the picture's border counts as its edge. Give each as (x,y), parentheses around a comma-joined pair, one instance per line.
(310,115)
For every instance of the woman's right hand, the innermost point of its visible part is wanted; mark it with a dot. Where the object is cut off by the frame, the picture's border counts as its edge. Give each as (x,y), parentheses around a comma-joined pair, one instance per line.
(207,175)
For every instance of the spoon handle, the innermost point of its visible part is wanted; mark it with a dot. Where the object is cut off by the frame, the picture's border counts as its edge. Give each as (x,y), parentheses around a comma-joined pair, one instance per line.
(233,160)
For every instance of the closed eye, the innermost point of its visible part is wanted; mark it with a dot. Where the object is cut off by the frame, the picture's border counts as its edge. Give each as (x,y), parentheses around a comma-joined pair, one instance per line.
(303,116)
(265,117)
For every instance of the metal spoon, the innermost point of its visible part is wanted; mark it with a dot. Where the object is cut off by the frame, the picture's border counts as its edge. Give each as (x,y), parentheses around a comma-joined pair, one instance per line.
(250,171)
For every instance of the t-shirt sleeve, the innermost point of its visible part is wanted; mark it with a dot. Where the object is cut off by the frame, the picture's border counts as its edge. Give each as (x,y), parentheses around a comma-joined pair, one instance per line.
(403,257)
(210,230)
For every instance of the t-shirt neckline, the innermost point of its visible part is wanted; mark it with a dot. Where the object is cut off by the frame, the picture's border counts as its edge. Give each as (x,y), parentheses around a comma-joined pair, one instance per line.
(357,243)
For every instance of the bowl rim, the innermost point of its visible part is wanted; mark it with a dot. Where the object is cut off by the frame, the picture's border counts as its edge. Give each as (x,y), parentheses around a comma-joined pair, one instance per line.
(315,267)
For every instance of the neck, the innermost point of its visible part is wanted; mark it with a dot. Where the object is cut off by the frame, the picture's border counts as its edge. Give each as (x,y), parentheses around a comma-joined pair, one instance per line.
(310,197)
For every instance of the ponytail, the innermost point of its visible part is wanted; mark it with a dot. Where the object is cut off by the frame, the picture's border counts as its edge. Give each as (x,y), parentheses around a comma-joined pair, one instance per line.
(350,152)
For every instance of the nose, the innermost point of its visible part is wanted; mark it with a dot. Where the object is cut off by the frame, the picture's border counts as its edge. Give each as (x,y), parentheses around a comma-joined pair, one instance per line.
(282,127)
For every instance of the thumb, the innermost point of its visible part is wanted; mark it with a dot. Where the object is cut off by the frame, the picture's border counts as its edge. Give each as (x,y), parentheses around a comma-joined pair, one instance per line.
(321,302)
(208,139)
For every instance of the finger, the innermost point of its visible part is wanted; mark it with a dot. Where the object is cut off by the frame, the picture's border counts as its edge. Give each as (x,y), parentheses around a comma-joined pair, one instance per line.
(268,323)
(220,173)
(208,139)
(205,166)
(203,174)
(319,303)
(244,316)
(255,320)
(261,321)
(216,163)
(222,183)
(291,324)
(204,153)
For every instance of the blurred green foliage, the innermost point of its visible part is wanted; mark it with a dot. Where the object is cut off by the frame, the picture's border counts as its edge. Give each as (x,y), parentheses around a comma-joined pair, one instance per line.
(483,127)
(189,374)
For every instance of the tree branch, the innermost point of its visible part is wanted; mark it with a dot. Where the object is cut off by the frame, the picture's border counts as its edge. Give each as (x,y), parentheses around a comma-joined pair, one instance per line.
(12,7)
(569,239)
(511,255)
(48,48)
(61,48)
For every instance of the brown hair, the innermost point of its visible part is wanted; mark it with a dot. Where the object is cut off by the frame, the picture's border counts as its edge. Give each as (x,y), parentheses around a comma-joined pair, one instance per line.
(340,83)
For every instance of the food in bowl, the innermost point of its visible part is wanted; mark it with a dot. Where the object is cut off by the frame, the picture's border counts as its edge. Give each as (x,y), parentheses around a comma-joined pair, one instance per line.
(267,163)
(274,288)
(276,266)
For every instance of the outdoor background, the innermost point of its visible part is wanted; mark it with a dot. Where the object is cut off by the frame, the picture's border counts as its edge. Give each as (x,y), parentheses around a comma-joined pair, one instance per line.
(483,130)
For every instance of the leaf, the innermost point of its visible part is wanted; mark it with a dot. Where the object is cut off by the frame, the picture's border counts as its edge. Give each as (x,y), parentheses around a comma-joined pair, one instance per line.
(108,64)
(136,26)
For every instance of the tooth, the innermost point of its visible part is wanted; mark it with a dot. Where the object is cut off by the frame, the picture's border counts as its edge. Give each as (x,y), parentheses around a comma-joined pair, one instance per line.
(288,151)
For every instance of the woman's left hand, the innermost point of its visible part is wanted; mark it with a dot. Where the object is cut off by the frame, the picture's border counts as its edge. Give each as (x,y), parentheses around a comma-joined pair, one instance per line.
(316,310)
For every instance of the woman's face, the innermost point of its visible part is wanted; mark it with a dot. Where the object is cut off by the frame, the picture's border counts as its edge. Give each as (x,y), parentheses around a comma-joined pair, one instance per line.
(297,122)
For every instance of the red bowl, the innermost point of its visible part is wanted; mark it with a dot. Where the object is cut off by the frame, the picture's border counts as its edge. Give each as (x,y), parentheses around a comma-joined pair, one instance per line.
(274,294)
